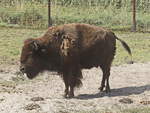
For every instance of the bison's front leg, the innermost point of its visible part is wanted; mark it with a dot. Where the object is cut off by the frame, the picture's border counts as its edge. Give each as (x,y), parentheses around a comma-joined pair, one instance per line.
(71,93)
(75,80)
(66,81)
(68,84)
(71,85)
(66,92)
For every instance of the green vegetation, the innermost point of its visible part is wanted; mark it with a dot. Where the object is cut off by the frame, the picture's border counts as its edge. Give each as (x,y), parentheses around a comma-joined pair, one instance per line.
(133,110)
(139,44)
(11,41)
(137,110)
(113,14)
(108,13)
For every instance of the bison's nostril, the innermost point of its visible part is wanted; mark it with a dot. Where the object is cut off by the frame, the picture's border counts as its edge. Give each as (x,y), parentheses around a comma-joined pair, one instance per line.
(22,69)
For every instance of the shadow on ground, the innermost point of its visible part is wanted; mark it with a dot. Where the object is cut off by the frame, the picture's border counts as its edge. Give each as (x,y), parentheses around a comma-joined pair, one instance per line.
(126,91)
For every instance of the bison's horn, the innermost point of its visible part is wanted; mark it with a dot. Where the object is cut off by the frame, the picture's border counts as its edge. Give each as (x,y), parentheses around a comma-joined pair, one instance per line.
(35,45)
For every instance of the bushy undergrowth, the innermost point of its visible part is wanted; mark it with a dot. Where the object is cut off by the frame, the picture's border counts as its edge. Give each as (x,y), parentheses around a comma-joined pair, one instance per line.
(99,12)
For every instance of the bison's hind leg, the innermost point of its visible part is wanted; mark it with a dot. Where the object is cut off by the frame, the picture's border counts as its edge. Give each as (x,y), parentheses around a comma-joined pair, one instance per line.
(105,66)
(106,73)
(107,81)
(101,88)
(105,78)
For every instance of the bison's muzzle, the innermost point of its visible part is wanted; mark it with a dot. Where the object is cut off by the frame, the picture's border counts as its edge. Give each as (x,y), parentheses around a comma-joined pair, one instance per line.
(28,73)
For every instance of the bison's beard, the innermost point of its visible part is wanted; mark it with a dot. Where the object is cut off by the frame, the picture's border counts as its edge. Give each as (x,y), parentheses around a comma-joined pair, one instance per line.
(32,73)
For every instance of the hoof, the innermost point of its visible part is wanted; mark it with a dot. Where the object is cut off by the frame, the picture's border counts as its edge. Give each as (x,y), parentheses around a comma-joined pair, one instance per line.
(71,95)
(68,95)
(65,96)
(101,89)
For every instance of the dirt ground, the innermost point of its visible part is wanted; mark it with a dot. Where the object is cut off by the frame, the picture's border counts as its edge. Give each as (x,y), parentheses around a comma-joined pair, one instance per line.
(130,88)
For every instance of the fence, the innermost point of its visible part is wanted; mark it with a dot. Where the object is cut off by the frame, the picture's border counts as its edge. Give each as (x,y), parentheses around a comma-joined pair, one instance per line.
(115,14)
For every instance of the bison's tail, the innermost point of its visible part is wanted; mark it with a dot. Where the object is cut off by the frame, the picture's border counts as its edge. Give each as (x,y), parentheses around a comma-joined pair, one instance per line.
(127,48)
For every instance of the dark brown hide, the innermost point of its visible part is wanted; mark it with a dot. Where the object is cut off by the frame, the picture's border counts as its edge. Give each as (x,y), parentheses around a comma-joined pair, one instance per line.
(68,49)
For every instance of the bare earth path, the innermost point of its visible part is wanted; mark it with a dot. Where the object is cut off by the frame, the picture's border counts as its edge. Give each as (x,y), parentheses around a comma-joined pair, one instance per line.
(44,94)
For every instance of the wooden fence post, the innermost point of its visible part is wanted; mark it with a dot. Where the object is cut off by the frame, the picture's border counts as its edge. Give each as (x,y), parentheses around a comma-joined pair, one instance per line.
(133,16)
(49,14)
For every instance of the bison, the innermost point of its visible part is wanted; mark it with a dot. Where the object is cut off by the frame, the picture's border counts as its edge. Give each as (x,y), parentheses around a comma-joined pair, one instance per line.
(69,48)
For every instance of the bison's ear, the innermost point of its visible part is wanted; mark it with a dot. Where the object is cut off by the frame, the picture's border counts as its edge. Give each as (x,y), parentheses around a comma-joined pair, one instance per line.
(34,44)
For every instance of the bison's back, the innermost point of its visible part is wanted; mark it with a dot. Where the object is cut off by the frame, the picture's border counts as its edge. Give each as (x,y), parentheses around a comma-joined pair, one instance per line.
(93,45)
(97,45)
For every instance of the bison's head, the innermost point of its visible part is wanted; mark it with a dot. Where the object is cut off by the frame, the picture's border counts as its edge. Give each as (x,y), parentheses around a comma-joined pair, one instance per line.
(32,58)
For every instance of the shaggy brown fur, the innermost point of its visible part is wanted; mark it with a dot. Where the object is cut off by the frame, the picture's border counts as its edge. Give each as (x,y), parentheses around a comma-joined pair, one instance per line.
(68,49)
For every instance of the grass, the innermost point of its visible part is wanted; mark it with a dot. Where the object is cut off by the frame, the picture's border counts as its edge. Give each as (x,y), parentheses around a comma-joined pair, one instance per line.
(137,110)
(131,110)
(35,15)
(11,42)
(139,44)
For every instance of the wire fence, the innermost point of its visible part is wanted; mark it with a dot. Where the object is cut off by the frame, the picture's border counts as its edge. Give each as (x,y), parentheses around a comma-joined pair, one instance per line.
(109,13)
(141,4)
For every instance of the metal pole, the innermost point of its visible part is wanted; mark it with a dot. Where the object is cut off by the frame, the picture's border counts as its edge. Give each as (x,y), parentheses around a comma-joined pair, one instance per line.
(49,14)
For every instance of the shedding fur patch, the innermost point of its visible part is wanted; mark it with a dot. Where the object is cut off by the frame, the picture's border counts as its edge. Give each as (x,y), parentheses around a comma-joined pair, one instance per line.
(65,47)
